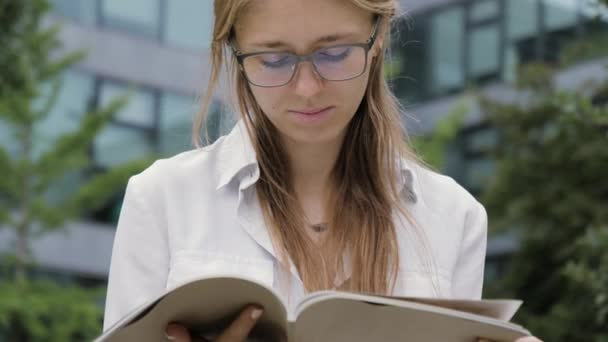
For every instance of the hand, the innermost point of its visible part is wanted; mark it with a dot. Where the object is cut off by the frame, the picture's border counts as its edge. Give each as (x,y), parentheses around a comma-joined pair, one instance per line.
(523,339)
(236,332)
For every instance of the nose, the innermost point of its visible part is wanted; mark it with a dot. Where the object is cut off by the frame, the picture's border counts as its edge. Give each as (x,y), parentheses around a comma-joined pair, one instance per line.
(307,82)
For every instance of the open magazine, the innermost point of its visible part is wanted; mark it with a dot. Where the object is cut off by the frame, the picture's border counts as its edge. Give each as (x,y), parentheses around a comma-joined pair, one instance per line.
(206,306)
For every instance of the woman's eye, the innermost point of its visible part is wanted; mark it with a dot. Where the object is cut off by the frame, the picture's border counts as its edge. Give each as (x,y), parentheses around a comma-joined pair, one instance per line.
(334,54)
(275,60)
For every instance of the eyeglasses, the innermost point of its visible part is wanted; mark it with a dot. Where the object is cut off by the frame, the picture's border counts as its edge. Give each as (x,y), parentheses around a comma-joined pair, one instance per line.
(334,63)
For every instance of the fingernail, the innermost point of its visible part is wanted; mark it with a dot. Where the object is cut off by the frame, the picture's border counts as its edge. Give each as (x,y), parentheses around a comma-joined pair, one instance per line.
(168,335)
(256,313)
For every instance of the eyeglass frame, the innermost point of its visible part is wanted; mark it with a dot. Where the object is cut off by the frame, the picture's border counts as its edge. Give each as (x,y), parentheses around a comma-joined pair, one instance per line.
(367,46)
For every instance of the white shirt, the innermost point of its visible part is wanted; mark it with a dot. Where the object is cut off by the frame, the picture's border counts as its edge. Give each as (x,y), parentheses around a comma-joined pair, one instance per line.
(196,214)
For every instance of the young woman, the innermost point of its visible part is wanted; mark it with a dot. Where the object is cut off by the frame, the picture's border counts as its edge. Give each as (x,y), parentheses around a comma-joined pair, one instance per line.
(315,188)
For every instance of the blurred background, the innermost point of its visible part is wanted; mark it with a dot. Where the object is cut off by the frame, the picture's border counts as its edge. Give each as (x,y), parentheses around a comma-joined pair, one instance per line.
(509,97)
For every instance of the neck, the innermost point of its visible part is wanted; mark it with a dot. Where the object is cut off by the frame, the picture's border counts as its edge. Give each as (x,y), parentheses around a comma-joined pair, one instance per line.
(311,166)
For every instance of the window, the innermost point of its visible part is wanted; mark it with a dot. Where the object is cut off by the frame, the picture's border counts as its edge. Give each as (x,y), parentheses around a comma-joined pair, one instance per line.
(129,136)
(478,167)
(65,117)
(484,55)
(447,42)
(484,40)
(72,104)
(136,16)
(522,29)
(483,10)
(560,23)
(82,10)
(409,61)
(482,140)
(116,145)
(521,19)
(176,116)
(139,110)
(478,172)
(189,23)
(560,14)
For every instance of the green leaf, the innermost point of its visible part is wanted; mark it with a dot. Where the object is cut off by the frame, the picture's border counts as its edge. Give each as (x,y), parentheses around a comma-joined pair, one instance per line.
(4,216)
(549,187)
(6,170)
(43,311)
(49,217)
(58,67)
(51,101)
(99,189)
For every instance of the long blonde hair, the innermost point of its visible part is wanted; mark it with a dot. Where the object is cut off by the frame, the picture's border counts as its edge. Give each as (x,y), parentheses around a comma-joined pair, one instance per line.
(366,172)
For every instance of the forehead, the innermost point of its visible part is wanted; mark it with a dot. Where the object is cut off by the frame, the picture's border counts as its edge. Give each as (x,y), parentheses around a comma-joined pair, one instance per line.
(300,22)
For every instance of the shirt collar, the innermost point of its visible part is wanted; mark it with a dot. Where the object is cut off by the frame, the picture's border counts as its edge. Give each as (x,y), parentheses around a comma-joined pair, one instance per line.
(237,160)
(237,157)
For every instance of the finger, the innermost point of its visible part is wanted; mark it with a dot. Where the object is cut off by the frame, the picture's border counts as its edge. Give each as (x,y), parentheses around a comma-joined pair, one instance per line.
(177,333)
(523,339)
(240,328)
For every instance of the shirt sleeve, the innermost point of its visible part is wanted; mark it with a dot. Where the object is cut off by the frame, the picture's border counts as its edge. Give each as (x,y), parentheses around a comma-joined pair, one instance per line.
(467,281)
(140,257)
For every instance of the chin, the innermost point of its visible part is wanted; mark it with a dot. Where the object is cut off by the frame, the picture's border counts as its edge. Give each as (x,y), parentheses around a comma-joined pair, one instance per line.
(316,136)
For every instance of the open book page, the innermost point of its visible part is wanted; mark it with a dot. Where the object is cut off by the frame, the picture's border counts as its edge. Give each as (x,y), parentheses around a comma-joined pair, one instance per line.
(208,305)
(340,316)
(502,309)
(205,305)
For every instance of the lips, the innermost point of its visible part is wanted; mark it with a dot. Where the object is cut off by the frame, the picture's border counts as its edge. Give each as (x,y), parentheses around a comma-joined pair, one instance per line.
(311,111)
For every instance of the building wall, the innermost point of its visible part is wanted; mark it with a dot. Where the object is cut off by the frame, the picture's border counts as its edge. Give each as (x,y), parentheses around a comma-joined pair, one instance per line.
(456,46)
(450,47)
(158,50)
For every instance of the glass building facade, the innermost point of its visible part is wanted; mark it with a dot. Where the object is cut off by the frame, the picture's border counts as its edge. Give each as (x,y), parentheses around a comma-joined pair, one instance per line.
(446,49)
(184,24)
(439,52)
(157,119)
(475,42)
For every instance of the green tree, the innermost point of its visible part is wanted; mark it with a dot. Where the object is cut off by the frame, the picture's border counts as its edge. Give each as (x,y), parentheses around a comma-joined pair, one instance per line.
(30,168)
(550,187)
(433,147)
(10,14)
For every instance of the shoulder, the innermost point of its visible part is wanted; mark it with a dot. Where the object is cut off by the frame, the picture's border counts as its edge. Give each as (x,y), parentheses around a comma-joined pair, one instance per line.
(456,225)
(210,167)
(444,196)
(197,167)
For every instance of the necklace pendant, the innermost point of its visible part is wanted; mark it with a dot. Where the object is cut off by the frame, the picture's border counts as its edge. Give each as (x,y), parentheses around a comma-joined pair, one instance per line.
(319,227)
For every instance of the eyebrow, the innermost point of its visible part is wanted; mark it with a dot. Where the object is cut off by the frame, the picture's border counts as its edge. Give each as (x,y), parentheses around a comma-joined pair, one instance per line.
(274,44)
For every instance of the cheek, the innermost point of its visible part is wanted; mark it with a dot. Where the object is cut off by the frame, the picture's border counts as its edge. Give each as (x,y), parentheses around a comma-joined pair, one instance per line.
(269,100)
(351,93)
